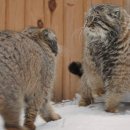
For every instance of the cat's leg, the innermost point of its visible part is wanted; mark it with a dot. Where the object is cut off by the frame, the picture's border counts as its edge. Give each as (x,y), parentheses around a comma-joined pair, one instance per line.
(48,78)
(11,114)
(114,93)
(112,101)
(30,116)
(85,92)
(33,105)
(91,86)
(47,112)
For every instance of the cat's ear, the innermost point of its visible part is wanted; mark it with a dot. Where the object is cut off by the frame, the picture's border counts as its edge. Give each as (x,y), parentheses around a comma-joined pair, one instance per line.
(40,24)
(116,13)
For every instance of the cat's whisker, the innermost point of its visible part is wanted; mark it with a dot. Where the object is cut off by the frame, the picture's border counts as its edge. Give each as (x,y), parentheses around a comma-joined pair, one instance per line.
(79,32)
(76,31)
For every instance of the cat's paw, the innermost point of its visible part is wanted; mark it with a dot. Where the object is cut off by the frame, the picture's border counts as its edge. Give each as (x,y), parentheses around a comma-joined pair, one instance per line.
(52,117)
(98,92)
(86,102)
(29,126)
(25,128)
(55,116)
(21,128)
(111,110)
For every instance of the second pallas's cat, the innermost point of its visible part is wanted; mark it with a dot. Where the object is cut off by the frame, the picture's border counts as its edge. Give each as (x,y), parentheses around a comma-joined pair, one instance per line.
(106,58)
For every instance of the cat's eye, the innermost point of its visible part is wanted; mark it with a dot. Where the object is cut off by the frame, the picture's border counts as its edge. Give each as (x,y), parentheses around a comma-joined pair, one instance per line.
(115,13)
(45,33)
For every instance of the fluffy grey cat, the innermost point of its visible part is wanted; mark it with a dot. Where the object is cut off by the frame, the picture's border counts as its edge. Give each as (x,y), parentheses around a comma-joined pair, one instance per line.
(27,73)
(106,59)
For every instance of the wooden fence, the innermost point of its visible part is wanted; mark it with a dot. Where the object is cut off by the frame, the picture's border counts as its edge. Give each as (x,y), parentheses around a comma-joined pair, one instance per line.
(66,20)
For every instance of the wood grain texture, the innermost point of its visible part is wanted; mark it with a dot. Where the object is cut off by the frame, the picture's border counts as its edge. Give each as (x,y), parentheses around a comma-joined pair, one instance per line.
(2,14)
(54,20)
(73,23)
(127,5)
(14,14)
(116,2)
(34,10)
(89,3)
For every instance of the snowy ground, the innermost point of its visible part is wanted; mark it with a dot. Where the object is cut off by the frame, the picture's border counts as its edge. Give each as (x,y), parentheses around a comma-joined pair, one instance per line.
(92,117)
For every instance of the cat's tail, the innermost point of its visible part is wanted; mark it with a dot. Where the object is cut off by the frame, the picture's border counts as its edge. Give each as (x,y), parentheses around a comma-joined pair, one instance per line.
(76,68)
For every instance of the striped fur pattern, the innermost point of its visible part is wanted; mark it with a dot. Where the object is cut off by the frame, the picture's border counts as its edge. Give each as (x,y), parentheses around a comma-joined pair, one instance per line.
(106,60)
(27,74)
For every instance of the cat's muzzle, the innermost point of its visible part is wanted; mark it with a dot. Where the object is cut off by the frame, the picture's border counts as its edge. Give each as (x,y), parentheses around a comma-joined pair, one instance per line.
(54,47)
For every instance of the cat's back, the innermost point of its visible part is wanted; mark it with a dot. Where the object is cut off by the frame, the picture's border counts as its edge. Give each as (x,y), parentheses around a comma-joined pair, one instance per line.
(19,56)
(16,41)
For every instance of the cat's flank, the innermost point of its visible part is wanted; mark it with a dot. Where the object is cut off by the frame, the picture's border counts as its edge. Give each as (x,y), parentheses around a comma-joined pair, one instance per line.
(27,73)
(106,58)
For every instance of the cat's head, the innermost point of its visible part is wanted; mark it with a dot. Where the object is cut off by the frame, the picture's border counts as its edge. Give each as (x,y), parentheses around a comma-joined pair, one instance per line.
(43,35)
(49,37)
(103,20)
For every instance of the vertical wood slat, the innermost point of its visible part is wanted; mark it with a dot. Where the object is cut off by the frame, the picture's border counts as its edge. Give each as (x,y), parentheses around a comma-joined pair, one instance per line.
(127,5)
(116,2)
(55,21)
(73,22)
(2,14)
(89,3)
(14,14)
(76,45)
(34,10)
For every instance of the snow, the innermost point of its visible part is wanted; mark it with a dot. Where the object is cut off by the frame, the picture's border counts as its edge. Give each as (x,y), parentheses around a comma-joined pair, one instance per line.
(92,117)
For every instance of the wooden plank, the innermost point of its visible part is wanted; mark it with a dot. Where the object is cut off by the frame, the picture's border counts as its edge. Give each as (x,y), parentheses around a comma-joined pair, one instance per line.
(96,2)
(34,10)
(89,3)
(15,14)
(73,23)
(116,2)
(127,5)
(2,14)
(48,15)
(55,21)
